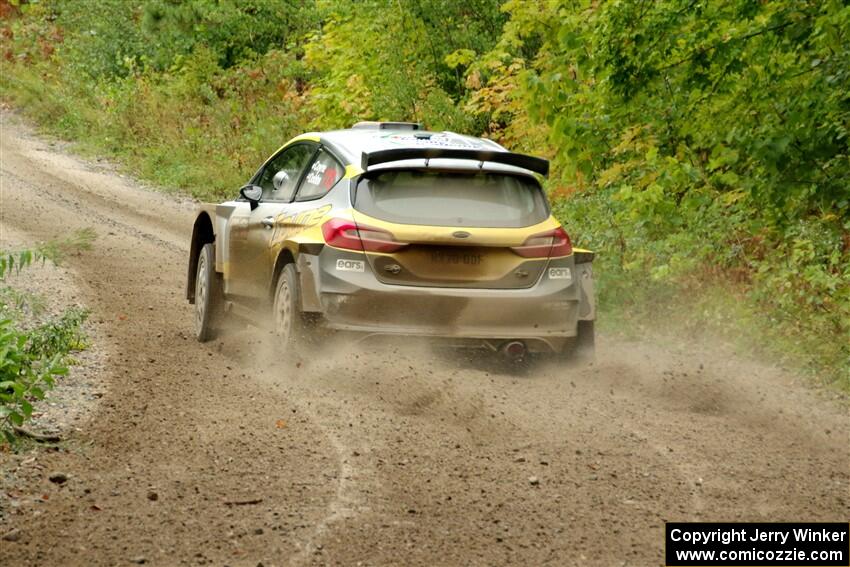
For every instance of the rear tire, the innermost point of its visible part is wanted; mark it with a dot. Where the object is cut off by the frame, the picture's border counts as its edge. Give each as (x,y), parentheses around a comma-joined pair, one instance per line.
(209,300)
(288,320)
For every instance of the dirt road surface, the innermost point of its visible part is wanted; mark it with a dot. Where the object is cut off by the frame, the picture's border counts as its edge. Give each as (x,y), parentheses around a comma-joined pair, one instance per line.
(227,454)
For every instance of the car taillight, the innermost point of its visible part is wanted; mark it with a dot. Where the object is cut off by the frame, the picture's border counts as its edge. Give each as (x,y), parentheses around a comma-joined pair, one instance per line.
(549,244)
(343,233)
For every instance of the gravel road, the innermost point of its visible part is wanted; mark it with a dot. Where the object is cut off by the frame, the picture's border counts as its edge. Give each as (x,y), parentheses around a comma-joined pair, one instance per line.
(225,453)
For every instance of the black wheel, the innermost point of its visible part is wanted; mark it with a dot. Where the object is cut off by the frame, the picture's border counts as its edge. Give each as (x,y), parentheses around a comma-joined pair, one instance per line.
(288,320)
(209,302)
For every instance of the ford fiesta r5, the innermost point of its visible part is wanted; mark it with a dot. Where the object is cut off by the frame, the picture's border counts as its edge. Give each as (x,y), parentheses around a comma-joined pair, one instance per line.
(386,229)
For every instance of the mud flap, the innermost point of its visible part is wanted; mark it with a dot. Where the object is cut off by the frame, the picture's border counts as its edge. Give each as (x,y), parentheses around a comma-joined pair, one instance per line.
(308,266)
(585,343)
(587,301)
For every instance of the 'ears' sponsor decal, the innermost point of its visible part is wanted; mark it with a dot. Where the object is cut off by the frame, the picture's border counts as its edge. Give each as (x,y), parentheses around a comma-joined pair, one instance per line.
(560,274)
(344,265)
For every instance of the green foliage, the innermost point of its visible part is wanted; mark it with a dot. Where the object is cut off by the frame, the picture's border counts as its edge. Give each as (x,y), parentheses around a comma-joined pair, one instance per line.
(234,30)
(115,38)
(373,61)
(32,354)
(30,361)
(705,141)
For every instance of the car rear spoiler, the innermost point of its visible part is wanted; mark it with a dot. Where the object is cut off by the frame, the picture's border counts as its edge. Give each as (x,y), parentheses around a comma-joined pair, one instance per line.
(531,163)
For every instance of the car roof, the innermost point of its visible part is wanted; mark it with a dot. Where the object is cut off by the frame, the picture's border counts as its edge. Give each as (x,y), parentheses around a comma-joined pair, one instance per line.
(349,145)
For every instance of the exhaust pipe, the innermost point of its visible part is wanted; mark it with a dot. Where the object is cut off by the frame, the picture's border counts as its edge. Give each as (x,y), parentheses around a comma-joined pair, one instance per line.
(514,350)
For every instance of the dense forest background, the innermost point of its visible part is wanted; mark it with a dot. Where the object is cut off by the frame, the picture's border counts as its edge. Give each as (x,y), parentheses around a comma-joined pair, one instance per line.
(699,146)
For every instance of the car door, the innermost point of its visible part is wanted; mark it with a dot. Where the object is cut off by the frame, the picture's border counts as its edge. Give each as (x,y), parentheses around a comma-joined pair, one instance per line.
(250,256)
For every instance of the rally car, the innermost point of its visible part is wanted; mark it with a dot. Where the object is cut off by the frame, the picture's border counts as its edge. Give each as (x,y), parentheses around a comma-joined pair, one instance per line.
(388,229)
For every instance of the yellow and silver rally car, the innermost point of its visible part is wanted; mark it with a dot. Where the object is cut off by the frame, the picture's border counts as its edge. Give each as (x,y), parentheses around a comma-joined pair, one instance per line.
(386,229)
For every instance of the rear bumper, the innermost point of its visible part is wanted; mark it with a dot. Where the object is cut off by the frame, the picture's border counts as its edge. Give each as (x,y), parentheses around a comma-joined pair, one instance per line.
(353,300)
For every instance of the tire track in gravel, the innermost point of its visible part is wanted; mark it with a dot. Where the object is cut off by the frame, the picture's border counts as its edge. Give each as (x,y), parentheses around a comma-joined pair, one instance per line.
(354,482)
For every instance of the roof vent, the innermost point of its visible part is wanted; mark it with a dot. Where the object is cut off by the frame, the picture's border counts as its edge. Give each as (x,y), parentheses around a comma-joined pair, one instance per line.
(387,126)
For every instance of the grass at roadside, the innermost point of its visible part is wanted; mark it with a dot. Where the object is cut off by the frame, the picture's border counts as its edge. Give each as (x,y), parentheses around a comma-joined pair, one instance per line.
(168,134)
(713,309)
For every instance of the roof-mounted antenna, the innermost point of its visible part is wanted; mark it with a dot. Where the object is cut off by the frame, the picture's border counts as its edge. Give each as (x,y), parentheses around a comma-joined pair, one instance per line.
(427,161)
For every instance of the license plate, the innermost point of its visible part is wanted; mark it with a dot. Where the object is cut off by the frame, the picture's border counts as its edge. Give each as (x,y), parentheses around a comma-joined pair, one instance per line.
(456,258)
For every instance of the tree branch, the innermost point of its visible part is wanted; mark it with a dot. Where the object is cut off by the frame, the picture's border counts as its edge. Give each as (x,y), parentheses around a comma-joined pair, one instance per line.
(715,46)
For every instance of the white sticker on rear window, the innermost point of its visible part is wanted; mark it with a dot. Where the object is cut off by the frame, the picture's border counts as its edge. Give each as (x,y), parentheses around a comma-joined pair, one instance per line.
(316,173)
(349,265)
(560,274)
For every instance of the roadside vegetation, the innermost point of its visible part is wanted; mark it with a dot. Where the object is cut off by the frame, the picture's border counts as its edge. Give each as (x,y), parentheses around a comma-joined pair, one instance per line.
(700,147)
(35,349)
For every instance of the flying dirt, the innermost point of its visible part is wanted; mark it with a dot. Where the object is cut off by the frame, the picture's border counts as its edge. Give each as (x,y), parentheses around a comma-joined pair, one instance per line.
(227,453)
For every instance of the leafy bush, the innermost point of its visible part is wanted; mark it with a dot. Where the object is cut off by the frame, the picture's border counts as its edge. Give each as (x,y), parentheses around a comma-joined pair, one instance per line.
(33,355)
(373,61)
(700,143)
(30,362)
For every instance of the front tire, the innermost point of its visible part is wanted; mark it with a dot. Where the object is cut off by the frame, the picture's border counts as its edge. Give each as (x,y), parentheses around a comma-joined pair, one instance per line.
(209,302)
(288,319)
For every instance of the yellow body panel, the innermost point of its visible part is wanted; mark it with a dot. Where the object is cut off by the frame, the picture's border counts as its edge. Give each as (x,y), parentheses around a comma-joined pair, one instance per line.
(443,235)
(436,255)
(292,230)
(478,263)
(352,170)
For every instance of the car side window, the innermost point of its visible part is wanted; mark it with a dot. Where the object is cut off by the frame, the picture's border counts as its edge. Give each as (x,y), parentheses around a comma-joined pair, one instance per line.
(323,174)
(280,176)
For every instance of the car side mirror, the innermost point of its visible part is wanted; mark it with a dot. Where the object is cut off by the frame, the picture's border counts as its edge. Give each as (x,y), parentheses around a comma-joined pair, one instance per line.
(252,194)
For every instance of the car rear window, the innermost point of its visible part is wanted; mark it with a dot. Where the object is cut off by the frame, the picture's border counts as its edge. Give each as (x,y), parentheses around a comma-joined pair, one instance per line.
(451,199)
